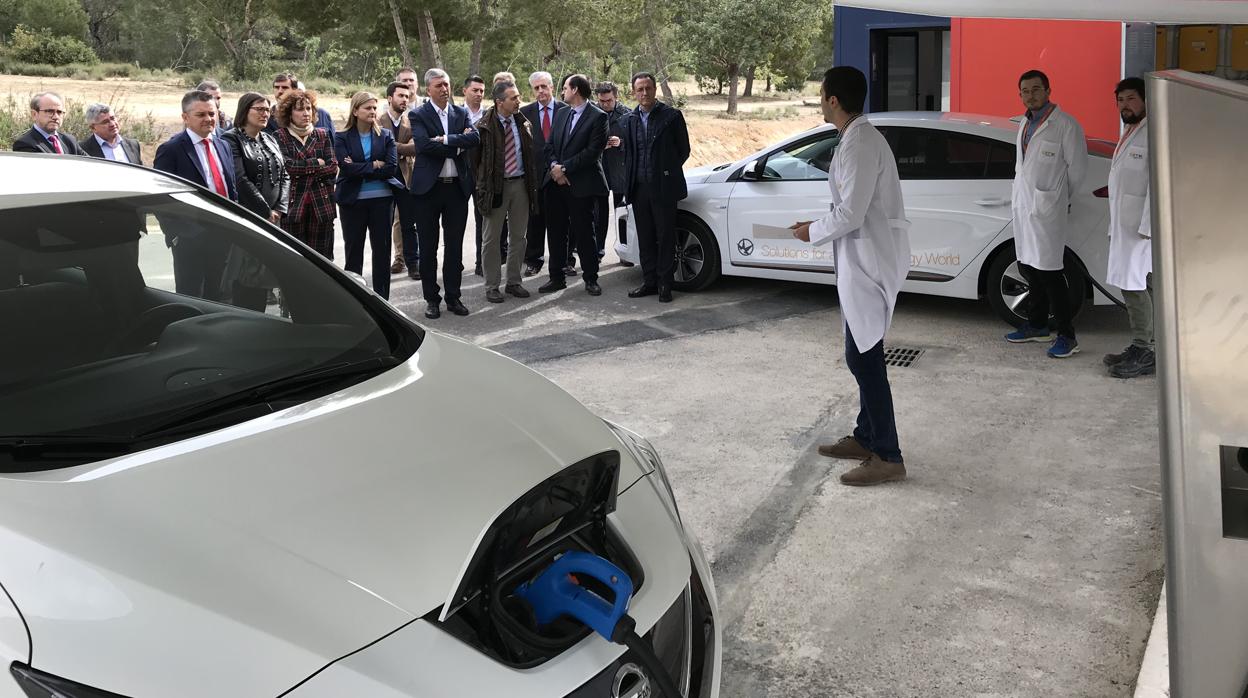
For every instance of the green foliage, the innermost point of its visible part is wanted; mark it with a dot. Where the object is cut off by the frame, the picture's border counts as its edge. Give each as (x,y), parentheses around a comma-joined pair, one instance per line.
(15,120)
(41,46)
(58,17)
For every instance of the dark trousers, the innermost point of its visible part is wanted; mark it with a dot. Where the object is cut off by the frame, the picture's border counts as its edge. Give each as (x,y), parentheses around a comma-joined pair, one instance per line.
(535,240)
(198,264)
(877,426)
(444,203)
(476,214)
(369,218)
(1048,293)
(571,224)
(656,237)
(604,213)
(405,204)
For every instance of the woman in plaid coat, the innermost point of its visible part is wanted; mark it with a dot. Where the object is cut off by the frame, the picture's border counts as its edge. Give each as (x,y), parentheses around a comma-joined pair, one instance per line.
(309,154)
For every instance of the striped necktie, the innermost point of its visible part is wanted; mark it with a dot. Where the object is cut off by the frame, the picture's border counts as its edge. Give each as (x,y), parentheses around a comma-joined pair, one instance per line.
(509,145)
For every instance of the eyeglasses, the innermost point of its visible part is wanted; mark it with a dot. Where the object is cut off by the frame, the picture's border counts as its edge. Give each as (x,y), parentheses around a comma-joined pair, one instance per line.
(1032,91)
(52,112)
(261,110)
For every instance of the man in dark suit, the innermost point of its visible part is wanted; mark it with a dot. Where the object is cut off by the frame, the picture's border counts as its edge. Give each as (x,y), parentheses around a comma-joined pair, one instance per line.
(47,111)
(105,140)
(574,180)
(656,148)
(403,227)
(441,183)
(541,115)
(195,154)
(612,162)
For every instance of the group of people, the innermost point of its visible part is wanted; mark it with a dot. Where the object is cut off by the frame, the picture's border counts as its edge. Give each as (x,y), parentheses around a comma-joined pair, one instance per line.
(545,178)
(868,232)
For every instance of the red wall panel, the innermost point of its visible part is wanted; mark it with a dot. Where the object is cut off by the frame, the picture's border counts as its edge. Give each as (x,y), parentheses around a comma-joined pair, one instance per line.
(1082,59)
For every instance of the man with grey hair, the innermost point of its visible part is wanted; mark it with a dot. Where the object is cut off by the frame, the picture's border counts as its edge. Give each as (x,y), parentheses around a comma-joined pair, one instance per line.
(105,140)
(47,111)
(212,87)
(541,115)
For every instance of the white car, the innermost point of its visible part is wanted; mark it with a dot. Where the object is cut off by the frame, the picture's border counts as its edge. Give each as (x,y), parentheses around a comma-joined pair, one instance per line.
(312,498)
(956,171)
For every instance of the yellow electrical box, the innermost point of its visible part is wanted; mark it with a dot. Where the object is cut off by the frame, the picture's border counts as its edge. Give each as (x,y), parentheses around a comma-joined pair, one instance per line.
(1198,49)
(1163,49)
(1239,48)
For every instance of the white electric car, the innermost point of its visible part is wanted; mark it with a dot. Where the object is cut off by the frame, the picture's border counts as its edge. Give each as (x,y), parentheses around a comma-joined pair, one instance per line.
(956,174)
(299,498)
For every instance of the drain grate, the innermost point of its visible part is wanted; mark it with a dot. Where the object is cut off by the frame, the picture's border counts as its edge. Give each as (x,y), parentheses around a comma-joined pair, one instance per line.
(901,357)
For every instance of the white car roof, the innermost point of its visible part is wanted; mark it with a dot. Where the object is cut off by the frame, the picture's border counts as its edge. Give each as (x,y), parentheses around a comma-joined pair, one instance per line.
(34,179)
(998,127)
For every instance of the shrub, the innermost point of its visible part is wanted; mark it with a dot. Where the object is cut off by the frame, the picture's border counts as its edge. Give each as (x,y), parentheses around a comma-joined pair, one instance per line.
(41,46)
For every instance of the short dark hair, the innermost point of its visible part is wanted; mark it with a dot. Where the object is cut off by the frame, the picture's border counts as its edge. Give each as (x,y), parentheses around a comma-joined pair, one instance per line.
(580,83)
(606,86)
(1136,84)
(500,89)
(1032,75)
(473,78)
(848,85)
(642,76)
(191,98)
(396,85)
(285,77)
(244,105)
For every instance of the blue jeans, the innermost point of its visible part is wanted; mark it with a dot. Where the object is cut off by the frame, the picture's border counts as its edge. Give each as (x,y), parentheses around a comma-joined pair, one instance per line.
(877,426)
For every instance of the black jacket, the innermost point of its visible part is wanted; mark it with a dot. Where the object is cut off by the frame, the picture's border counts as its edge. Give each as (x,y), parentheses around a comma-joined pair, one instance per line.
(579,152)
(33,142)
(259,172)
(534,116)
(129,146)
(613,158)
(666,142)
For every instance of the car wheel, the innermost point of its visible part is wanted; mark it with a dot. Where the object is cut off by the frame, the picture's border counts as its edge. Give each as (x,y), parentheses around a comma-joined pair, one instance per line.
(697,255)
(1008,291)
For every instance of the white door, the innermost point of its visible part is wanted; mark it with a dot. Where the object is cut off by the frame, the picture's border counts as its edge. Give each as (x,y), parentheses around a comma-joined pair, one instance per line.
(957,190)
(791,185)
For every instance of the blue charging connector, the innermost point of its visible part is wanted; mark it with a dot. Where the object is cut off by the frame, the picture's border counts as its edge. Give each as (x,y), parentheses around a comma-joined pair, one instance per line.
(558,592)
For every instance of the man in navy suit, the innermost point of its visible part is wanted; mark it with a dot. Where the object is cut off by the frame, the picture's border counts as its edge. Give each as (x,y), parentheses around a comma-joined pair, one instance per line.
(541,116)
(195,154)
(574,181)
(47,111)
(441,185)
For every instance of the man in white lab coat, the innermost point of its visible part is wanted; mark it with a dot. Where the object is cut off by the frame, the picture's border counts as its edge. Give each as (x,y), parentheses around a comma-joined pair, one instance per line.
(1131,232)
(1051,163)
(866,229)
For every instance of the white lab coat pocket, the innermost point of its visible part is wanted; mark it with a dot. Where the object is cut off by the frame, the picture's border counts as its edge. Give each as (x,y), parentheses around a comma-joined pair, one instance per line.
(1134,172)
(1132,213)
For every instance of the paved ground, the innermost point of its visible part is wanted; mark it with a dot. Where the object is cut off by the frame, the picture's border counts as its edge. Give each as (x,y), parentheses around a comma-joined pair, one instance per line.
(1022,557)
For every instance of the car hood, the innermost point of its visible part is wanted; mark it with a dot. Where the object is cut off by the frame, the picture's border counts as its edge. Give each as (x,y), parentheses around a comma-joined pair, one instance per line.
(297,537)
(698,175)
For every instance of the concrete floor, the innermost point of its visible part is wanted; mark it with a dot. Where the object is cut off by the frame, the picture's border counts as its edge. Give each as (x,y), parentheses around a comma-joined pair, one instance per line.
(1023,556)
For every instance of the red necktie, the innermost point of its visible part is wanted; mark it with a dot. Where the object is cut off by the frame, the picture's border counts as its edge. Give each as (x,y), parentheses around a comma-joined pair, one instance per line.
(545,123)
(56,144)
(218,182)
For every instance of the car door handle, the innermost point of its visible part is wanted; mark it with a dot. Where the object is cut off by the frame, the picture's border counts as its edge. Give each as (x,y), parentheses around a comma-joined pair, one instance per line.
(993,202)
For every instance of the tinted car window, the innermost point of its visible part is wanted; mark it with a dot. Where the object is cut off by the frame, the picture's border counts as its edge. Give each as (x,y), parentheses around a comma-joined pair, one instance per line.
(128,315)
(804,160)
(932,154)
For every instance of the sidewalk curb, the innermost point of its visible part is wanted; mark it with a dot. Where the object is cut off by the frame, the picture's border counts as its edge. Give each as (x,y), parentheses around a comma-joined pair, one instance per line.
(1154,678)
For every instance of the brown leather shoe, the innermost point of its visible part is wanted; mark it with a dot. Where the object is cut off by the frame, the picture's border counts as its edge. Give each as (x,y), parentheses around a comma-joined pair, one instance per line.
(874,471)
(847,448)
(397,267)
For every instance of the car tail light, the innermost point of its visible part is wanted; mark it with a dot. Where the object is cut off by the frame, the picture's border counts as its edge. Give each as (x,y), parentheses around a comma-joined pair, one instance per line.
(1102,193)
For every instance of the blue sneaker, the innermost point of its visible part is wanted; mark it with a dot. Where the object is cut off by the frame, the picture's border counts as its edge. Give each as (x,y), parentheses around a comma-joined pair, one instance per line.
(1063,347)
(1027,333)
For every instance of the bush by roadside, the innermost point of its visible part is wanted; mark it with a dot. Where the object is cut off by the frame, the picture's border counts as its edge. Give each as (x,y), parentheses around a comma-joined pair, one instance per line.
(15,120)
(42,46)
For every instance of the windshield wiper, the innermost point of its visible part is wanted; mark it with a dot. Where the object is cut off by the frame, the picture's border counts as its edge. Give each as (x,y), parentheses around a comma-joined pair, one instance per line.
(274,395)
(61,447)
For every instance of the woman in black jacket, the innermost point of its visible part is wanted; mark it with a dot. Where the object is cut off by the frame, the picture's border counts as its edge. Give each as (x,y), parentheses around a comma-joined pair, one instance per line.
(263,188)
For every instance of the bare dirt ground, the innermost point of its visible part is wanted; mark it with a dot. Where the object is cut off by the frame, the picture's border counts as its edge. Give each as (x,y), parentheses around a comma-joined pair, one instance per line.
(714,138)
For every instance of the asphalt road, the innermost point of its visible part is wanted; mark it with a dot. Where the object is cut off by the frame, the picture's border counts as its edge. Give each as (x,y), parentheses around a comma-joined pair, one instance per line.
(1022,557)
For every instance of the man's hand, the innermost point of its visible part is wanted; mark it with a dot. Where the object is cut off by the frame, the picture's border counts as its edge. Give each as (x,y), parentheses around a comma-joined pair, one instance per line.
(801,230)
(378,164)
(439,139)
(557,174)
(613,142)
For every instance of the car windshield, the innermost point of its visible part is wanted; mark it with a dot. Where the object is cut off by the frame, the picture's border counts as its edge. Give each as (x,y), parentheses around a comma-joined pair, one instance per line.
(128,317)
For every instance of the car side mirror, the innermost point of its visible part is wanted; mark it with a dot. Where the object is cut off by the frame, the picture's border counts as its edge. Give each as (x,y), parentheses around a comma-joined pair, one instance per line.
(753,171)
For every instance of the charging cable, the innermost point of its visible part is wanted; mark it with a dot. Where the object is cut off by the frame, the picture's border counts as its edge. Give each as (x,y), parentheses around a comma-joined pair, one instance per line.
(557,591)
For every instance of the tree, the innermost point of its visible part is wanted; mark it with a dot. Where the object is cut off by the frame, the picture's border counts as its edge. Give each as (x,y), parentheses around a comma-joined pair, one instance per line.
(404,52)
(236,25)
(59,17)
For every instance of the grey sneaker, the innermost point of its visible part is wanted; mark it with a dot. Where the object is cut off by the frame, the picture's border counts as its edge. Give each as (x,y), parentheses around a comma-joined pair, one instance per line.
(494,296)
(874,471)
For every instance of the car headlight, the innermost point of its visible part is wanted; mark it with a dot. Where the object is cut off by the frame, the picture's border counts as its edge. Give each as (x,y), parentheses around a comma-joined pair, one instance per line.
(644,453)
(38,684)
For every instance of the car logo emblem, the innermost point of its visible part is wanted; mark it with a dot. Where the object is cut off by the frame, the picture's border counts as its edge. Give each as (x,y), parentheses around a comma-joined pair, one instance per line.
(745,247)
(631,682)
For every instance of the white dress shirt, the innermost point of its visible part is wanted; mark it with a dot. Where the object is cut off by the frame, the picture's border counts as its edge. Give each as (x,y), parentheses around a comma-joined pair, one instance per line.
(475,116)
(448,165)
(203,162)
(113,152)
